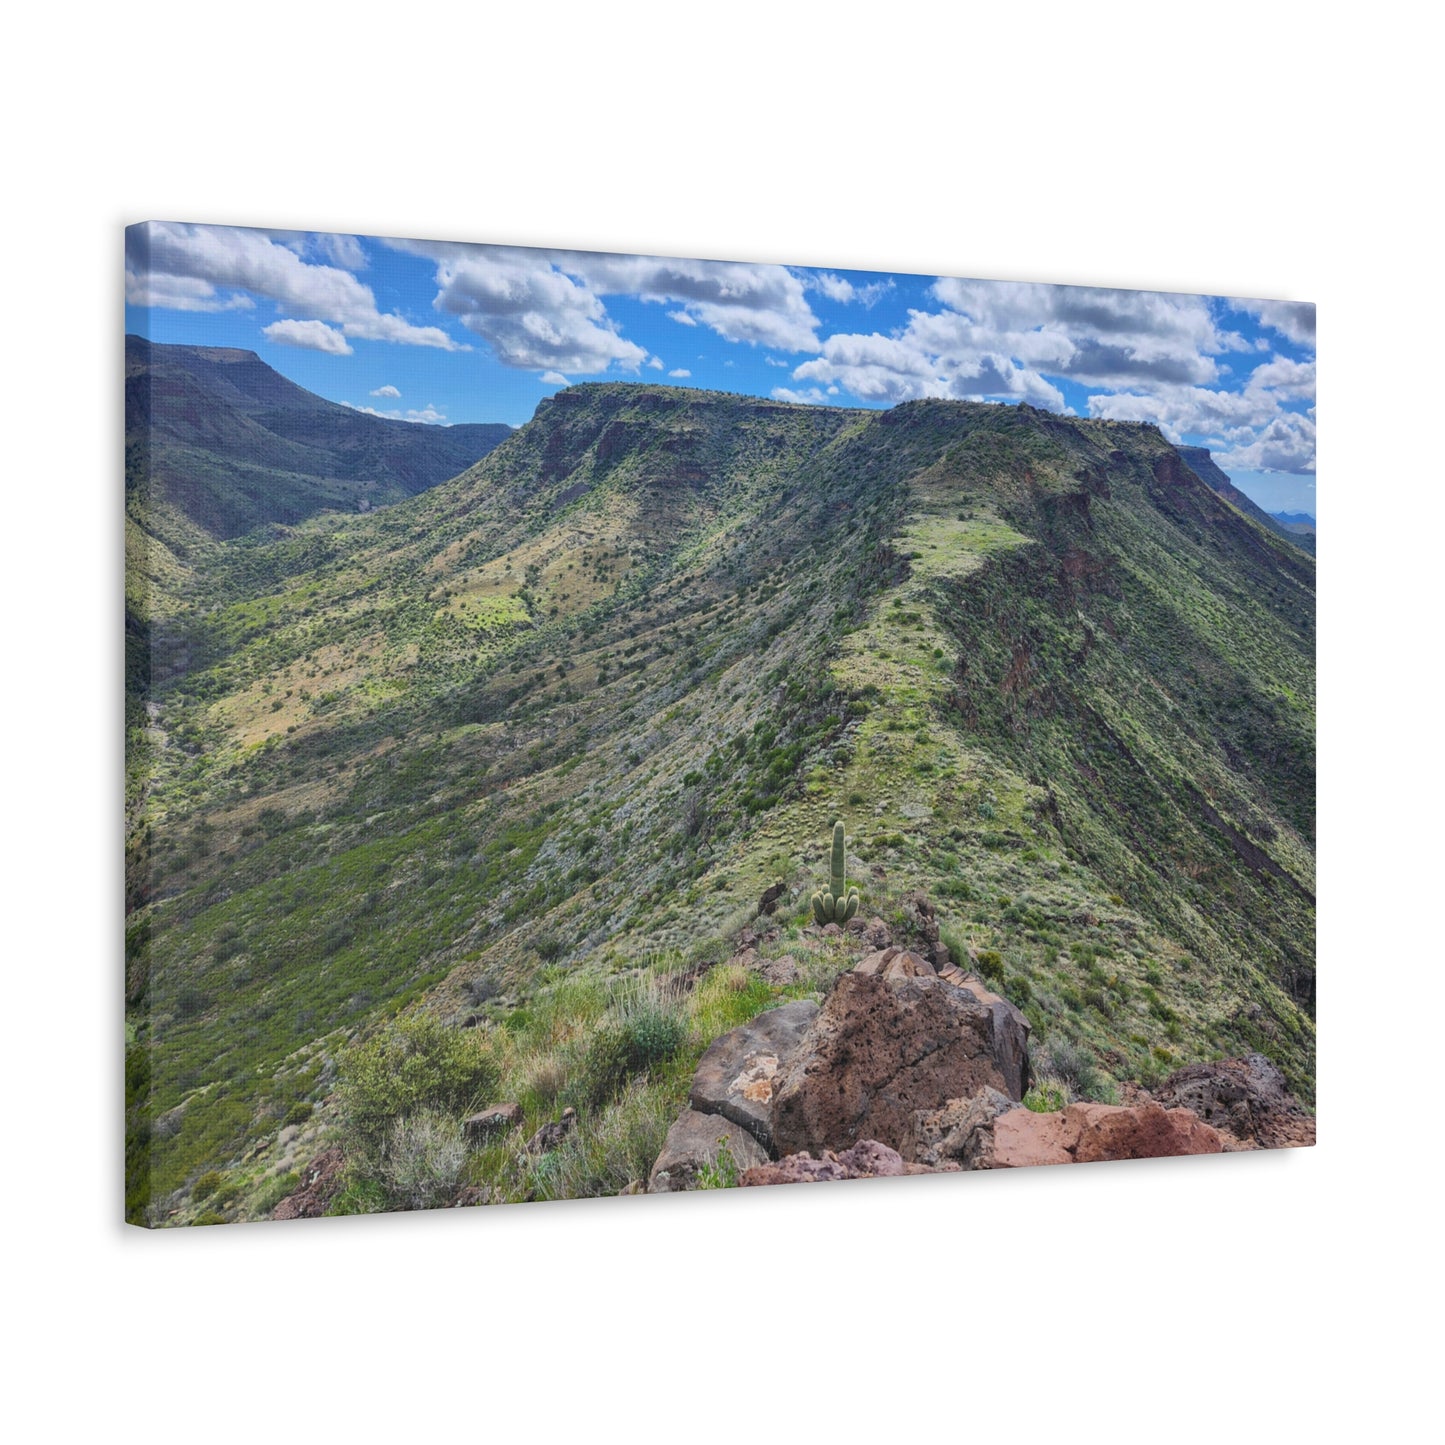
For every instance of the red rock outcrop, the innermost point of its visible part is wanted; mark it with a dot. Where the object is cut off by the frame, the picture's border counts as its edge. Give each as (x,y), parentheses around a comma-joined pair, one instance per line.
(1093,1133)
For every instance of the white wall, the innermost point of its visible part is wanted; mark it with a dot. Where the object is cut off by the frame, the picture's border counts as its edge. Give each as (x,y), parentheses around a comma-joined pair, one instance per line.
(1231,149)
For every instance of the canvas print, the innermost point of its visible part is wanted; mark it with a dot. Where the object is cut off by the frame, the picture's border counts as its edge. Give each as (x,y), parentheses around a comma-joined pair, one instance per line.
(616,725)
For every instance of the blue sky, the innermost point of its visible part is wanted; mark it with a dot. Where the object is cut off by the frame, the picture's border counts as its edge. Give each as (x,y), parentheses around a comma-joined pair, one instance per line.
(442,332)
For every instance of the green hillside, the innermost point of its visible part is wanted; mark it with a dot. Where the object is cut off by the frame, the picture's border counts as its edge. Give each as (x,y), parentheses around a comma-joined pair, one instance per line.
(569,714)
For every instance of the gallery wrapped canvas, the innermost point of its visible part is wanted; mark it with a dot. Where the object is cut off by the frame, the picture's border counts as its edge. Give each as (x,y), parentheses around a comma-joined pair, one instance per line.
(615,725)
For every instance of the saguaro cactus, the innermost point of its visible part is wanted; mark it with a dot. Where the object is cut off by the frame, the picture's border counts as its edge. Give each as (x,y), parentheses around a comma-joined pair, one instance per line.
(835,903)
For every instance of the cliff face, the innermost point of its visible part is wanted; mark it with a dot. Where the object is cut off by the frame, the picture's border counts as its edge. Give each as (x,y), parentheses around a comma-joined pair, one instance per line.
(577,708)
(1204,467)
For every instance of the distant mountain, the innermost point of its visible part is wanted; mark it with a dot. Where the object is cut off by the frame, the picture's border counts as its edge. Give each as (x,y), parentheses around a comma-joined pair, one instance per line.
(1300,522)
(219,437)
(1207,470)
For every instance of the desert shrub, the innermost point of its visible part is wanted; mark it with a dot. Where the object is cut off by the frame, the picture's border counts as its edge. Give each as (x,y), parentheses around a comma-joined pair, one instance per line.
(720,1172)
(298,1113)
(644,1028)
(727,997)
(207,1184)
(209,1216)
(990,965)
(1074,1065)
(1018,988)
(614,1148)
(273,1192)
(416,1064)
(422,1160)
(1047,1096)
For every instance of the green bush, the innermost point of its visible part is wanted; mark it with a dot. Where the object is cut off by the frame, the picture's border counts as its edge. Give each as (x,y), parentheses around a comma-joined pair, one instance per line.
(207,1184)
(990,965)
(1048,1096)
(644,1030)
(298,1113)
(415,1064)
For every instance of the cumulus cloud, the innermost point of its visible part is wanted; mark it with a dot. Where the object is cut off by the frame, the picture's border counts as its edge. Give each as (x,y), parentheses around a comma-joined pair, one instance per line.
(194,267)
(1287,444)
(927,359)
(554,378)
(813,396)
(681,371)
(387,390)
(310,335)
(1294,320)
(427,415)
(839,288)
(655,362)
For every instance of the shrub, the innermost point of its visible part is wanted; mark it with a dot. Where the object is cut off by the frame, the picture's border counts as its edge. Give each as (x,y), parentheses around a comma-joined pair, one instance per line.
(206,1185)
(298,1113)
(643,1029)
(1018,988)
(721,1171)
(422,1160)
(990,965)
(1047,1096)
(416,1064)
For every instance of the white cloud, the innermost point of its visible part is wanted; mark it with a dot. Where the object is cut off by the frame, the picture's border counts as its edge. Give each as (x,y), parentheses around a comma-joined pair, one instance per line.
(1287,378)
(427,415)
(387,390)
(189,267)
(813,396)
(839,288)
(930,357)
(310,335)
(655,362)
(1287,444)
(555,378)
(774,361)
(1294,320)
(681,371)
(681,317)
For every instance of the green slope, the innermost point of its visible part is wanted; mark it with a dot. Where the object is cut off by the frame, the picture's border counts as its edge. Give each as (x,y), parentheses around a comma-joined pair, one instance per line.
(576,707)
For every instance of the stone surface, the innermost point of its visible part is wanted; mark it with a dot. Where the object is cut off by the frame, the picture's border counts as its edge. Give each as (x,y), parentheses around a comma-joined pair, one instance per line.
(769,901)
(867,1159)
(696,1140)
(478,1128)
(1245,1099)
(549,1136)
(320,1181)
(877,961)
(877,933)
(961,1132)
(1093,1133)
(1010,1034)
(780,971)
(735,1077)
(880,1051)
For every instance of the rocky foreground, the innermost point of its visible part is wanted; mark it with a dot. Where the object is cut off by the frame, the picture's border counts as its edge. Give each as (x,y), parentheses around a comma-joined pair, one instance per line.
(909,1068)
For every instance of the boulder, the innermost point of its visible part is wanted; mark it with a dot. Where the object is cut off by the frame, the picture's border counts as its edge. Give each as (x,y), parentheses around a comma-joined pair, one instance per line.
(735,1077)
(550,1136)
(880,1051)
(769,901)
(1010,1034)
(1093,1133)
(779,971)
(877,933)
(961,1132)
(478,1128)
(876,961)
(1245,1099)
(867,1159)
(696,1140)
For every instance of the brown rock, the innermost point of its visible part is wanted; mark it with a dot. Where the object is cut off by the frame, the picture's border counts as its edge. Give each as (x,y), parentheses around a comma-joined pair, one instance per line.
(769,901)
(1245,1099)
(1092,1133)
(907,965)
(877,1054)
(735,1077)
(320,1182)
(867,1159)
(549,1136)
(877,933)
(876,962)
(696,1140)
(491,1122)
(961,1132)
(780,971)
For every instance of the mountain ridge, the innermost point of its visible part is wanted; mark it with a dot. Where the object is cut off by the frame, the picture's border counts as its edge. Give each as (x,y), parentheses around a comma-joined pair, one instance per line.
(582,704)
